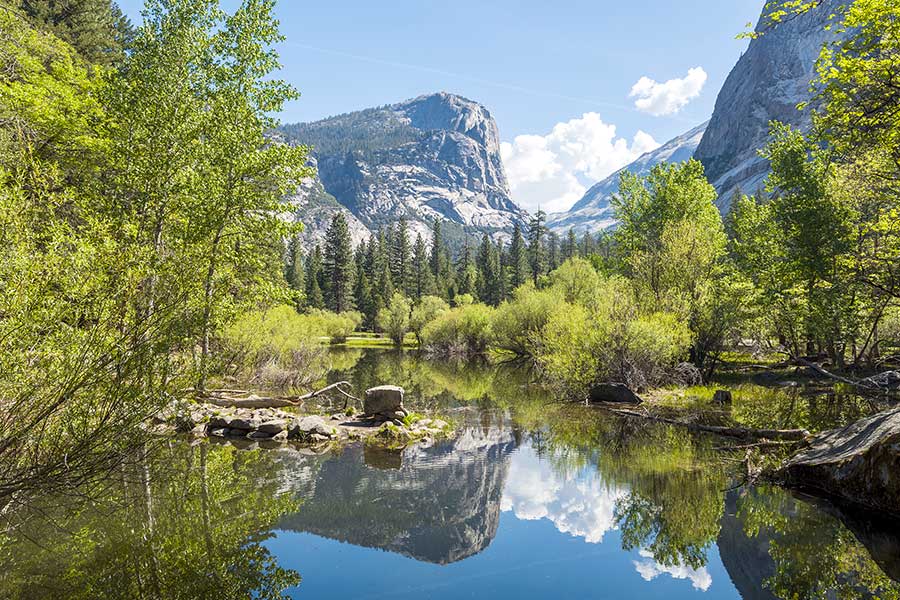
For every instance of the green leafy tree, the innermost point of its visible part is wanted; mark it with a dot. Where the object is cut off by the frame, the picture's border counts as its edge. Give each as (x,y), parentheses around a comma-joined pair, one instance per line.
(394,318)
(426,310)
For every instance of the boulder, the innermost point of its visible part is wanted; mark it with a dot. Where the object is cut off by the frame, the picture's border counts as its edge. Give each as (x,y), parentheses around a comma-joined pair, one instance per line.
(244,424)
(859,463)
(384,399)
(310,426)
(613,392)
(273,426)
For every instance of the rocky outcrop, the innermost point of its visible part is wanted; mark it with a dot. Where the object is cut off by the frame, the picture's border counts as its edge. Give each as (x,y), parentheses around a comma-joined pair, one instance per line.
(769,81)
(594,213)
(859,463)
(433,157)
(315,208)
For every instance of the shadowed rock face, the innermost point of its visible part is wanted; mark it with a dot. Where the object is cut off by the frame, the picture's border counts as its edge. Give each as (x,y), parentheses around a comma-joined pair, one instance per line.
(746,559)
(433,157)
(769,81)
(438,504)
(859,463)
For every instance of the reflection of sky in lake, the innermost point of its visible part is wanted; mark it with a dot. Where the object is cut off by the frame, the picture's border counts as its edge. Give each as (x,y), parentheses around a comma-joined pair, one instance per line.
(556,538)
(580,505)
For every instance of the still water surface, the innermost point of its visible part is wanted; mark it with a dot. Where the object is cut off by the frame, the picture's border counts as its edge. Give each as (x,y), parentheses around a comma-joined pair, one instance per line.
(532,499)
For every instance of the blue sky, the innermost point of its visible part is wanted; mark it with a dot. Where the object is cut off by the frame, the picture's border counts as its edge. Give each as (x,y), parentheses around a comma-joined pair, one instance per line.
(534,64)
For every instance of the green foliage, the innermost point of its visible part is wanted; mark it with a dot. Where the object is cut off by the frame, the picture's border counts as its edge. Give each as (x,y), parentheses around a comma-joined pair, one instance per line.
(277,348)
(461,331)
(424,312)
(612,341)
(96,29)
(518,324)
(337,266)
(394,319)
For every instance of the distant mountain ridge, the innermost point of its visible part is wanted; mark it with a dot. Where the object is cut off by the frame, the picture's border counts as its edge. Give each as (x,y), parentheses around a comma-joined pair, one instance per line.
(593,212)
(433,157)
(768,83)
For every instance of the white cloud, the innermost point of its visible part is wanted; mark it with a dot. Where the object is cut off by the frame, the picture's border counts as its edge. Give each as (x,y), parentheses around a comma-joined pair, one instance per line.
(553,171)
(650,569)
(582,507)
(660,99)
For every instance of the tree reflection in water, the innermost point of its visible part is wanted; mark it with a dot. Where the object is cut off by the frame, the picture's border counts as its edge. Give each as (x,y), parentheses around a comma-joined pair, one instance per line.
(186,522)
(192,522)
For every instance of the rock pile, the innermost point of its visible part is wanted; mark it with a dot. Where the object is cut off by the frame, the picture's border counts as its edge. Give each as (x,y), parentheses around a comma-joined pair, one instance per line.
(254,424)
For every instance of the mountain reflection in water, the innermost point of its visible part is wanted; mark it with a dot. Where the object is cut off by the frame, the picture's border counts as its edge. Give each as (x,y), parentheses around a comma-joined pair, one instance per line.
(533,499)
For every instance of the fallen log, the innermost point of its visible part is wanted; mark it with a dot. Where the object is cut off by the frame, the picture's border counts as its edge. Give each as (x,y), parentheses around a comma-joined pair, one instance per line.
(215,398)
(744,433)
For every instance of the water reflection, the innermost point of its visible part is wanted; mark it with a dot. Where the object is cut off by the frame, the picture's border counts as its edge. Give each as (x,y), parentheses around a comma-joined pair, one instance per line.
(533,499)
(439,504)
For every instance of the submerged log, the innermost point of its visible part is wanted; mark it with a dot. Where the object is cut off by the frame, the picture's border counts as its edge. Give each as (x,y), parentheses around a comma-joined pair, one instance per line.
(859,462)
(744,433)
(218,398)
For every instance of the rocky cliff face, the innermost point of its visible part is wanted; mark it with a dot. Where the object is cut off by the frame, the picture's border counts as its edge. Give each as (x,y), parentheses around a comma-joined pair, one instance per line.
(315,208)
(769,81)
(434,157)
(593,212)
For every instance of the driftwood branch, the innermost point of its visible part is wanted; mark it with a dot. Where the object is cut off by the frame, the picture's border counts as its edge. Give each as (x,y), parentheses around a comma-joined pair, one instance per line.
(744,433)
(830,375)
(219,398)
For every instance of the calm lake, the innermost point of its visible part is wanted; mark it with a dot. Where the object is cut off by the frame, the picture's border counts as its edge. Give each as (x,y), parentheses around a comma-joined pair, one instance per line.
(533,499)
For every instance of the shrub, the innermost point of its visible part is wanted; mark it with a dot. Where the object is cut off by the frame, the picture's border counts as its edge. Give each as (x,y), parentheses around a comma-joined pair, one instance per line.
(337,326)
(518,324)
(611,342)
(394,320)
(276,348)
(424,312)
(461,331)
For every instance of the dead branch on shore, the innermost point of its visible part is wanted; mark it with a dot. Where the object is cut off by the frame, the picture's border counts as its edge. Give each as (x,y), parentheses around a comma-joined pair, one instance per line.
(744,433)
(224,398)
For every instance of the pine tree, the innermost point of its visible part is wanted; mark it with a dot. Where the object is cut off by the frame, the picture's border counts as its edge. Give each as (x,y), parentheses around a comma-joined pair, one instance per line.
(553,253)
(401,259)
(422,280)
(293,264)
(314,298)
(439,259)
(362,289)
(382,280)
(570,247)
(338,265)
(518,259)
(293,270)
(503,278)
(467,275)
(537,253)
(489,272)
(97,29)
(587,245)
